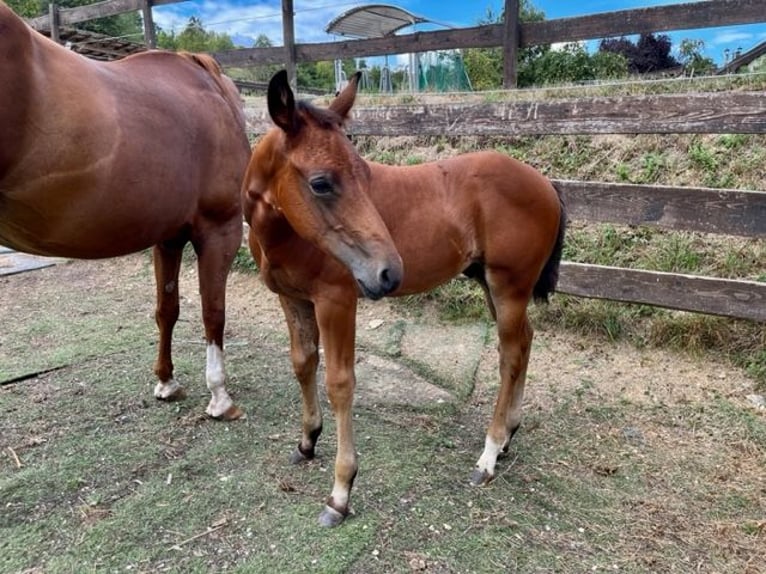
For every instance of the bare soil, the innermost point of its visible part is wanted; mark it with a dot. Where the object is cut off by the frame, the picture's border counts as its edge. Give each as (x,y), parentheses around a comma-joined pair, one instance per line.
(629,459)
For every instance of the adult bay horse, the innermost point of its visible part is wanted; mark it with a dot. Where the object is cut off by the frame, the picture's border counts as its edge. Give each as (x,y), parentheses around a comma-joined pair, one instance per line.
(105,159)
(326,225)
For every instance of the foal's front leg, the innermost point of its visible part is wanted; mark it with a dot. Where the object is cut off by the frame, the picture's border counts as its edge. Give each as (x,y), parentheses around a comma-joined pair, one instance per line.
(304,352)
(337,325)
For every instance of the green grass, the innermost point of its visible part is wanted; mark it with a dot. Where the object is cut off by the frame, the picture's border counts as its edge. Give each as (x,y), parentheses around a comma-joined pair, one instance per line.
(112,480)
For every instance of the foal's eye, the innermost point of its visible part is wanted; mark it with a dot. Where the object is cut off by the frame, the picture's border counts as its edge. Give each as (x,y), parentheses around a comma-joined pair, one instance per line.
(321,186)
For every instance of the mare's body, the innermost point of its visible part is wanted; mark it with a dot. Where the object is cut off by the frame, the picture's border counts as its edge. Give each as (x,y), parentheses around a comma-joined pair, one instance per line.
(104,159)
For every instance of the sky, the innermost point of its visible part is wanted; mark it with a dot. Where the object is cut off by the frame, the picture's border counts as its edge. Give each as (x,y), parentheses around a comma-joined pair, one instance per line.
(245,20)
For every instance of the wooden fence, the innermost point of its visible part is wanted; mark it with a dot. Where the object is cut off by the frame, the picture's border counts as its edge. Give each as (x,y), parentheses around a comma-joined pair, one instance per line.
(720,211)
(732,212)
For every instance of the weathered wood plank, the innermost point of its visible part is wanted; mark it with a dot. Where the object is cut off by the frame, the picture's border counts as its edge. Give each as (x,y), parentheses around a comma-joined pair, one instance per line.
(476,37)
(244,57)
(730,298)
(624,22)
(69,16)
(722,112)
(681,16)
(726,211)
(511,42)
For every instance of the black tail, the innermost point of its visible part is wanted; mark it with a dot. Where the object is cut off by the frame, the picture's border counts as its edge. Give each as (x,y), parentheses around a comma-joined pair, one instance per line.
(546,284)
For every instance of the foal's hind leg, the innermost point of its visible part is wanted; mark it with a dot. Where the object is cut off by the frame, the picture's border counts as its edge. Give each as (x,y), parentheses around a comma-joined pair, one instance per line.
(304,352)
(215,254)
(515,340)
(167,263)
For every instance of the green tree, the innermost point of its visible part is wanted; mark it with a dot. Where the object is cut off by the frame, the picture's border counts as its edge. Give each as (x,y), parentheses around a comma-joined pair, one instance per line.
(194,38)
(25,8)
(572,63)
(539,65)
(484,66)
(694,63)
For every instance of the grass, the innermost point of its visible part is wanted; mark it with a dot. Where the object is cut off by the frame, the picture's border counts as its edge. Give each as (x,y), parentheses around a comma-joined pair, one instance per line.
(112,480)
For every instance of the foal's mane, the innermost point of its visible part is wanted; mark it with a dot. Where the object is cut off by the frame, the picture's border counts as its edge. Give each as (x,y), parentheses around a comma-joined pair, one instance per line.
(325,117)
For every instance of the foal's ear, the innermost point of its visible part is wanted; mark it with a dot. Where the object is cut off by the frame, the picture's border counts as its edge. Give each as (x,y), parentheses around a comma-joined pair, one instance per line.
(343,102)
(281,101)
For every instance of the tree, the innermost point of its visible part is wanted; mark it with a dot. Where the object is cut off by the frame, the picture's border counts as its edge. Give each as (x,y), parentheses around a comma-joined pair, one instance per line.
(692,59)
(484,66)
(194,38)
(649,53)
(572,63)
(25,8)
(539,65)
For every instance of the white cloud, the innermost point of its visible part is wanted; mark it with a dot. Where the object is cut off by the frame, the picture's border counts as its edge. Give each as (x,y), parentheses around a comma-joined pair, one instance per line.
(729,37)
(252,18)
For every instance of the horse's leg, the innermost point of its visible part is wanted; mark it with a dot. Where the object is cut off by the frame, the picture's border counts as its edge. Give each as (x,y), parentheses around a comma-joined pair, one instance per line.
(515,340)
(304,352)
(337,324)
(215,254)
(167,263)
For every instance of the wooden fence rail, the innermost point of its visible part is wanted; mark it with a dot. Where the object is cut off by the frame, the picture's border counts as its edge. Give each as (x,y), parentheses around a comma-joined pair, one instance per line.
(721,211)
(716,112)
(732,212)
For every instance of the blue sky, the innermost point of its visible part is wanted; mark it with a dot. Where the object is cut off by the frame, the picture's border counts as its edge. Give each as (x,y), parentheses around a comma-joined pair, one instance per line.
(244,20)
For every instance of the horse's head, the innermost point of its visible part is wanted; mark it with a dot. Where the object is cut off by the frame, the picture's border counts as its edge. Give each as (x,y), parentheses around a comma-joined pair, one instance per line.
(321,186)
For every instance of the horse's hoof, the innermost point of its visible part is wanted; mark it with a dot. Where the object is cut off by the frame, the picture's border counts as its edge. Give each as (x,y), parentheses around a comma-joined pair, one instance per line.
(480,477)
(169,392)
(298,456)
(330,517)
(233,413)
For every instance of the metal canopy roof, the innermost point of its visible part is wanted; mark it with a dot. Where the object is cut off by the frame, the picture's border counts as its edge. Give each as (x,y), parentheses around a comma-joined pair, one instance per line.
(372,21)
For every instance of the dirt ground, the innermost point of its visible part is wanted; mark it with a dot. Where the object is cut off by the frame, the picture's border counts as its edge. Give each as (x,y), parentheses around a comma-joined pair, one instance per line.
(594,412)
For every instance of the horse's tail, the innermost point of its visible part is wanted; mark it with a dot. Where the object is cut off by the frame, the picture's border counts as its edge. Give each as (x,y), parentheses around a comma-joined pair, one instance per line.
(225,84)
(549,276)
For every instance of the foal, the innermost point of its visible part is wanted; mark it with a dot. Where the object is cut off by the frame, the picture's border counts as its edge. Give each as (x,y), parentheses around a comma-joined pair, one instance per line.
(326,226)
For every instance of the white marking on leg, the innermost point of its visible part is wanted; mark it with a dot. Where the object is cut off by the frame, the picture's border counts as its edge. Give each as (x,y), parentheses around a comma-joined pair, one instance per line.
(167,389)
(215,374)
(488,458)
(339,496)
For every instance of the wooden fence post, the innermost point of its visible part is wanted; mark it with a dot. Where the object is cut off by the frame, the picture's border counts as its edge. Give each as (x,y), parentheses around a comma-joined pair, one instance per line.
(150,38)
(53,15)
(511,43)
(288,33)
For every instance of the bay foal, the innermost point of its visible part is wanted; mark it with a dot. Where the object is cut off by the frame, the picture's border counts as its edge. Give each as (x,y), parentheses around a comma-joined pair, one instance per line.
(327,226)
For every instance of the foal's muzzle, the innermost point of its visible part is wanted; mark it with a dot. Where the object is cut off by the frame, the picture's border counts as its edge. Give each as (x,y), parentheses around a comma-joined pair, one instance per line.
(387,280)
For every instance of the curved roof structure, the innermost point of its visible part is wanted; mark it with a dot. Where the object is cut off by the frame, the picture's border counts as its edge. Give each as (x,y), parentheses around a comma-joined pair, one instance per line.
(372,21)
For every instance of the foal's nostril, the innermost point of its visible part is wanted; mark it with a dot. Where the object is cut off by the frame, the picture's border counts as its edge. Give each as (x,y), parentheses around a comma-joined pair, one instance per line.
(389,280)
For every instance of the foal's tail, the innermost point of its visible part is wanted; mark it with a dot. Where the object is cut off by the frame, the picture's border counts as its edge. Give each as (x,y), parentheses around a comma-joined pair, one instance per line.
(546,284)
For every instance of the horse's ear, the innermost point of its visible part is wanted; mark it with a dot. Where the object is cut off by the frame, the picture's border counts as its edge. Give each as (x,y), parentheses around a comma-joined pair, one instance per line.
(281,101)
(343,102)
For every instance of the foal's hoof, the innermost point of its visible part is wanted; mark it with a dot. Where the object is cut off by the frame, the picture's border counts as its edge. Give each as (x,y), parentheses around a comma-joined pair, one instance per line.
(298,456)
(330,517)
(480,477)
